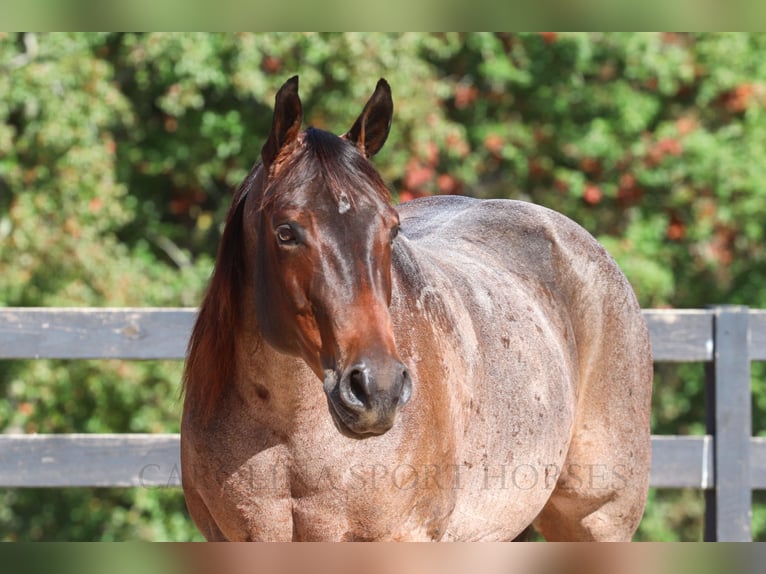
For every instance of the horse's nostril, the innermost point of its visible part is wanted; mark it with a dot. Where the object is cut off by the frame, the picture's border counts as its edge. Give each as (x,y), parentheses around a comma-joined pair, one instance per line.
(357,382)
(406,390)
(360,391)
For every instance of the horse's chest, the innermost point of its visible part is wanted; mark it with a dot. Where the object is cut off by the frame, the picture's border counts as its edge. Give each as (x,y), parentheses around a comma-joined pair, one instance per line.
(370,500)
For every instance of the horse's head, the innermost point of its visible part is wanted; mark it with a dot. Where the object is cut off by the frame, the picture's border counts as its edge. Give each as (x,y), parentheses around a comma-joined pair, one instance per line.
(322,235)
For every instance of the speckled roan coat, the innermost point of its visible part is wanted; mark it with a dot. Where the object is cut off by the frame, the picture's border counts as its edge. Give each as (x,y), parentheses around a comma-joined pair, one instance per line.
(528,359)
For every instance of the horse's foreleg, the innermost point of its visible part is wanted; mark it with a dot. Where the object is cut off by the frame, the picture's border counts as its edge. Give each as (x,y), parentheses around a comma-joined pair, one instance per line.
(202,517)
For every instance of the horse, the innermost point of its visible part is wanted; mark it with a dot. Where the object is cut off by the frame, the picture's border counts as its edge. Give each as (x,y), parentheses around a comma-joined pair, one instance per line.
(448,369)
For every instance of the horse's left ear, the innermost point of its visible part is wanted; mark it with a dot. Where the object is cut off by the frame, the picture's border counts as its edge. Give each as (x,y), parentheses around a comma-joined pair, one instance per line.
(370,130)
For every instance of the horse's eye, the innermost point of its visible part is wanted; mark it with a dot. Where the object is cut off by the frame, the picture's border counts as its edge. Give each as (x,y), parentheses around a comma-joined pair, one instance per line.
(286,235)
(394,232)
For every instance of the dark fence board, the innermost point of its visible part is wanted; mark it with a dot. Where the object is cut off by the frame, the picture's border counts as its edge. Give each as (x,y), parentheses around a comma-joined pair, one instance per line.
(680,335)
(70,333)
(758,334)
(729,420)
(682,462)
(66,460)
(758,463)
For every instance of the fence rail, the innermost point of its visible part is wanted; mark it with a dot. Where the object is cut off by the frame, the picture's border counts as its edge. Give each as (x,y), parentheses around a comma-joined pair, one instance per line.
(727,462)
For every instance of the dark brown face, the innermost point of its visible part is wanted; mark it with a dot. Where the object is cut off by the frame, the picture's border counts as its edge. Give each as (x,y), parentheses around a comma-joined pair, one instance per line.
(325,232)
(328,287)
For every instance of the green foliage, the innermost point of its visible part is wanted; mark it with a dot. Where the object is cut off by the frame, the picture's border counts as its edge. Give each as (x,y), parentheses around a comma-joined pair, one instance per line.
(119,153)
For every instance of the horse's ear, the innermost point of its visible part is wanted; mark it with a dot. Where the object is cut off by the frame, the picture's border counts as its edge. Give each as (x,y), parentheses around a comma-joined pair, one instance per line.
(288,117)
(370,130)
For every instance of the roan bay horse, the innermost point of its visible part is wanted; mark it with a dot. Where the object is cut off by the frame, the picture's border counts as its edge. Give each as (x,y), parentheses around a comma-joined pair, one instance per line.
(451,369)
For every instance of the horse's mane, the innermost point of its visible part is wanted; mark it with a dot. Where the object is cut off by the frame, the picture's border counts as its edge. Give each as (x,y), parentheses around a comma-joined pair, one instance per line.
(211,356)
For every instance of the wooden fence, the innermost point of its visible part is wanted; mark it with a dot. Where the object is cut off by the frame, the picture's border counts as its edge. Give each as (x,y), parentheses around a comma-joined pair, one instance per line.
(727,462)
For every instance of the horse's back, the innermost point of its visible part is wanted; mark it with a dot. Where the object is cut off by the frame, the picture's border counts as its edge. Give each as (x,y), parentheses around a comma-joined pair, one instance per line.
(517,235)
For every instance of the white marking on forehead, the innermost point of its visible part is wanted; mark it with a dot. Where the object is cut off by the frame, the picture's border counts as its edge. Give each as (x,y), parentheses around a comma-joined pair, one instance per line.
(343,203)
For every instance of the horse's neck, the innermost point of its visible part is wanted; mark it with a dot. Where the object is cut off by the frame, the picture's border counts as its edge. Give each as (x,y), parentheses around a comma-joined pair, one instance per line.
(272,383)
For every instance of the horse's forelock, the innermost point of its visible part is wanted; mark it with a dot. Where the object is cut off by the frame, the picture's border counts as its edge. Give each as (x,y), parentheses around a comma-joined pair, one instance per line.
(344,168)
(337,163)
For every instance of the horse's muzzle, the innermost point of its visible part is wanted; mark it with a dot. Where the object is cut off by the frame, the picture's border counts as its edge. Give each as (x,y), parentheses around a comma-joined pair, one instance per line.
(365,398)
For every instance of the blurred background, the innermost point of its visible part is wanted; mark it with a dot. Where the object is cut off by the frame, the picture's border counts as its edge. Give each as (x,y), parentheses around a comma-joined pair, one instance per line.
(119,154)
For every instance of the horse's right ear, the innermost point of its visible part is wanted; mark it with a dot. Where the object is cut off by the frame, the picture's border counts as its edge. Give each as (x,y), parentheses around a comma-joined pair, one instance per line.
(286,125)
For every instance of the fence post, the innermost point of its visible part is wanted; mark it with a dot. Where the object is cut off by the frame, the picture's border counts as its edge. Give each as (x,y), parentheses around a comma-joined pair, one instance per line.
(728,419)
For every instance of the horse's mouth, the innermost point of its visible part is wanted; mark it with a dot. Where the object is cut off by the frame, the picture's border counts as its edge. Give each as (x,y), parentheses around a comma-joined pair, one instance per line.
(348,423)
